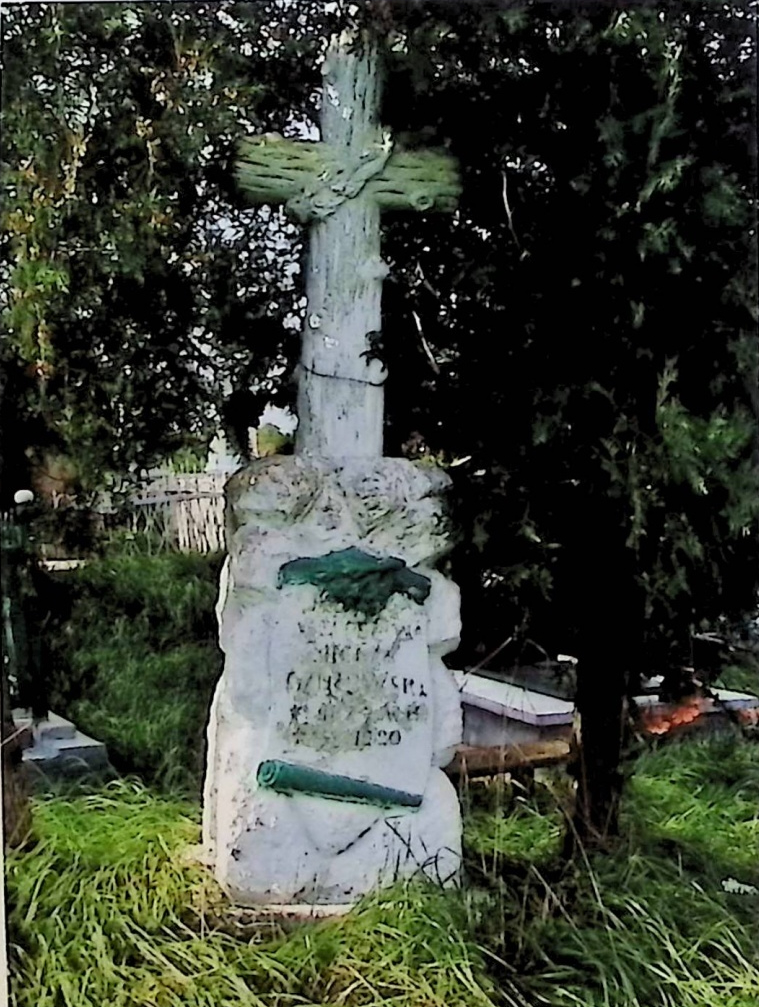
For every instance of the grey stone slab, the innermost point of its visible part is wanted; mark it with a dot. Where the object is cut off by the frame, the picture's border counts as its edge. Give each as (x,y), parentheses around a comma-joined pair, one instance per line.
(53,727)
(514,702)
(501,713)
(484,729)
(724,699)
(59,749)
(79,747)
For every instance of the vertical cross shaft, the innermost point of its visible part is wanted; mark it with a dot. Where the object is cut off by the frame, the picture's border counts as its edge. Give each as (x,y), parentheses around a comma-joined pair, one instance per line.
(340,390)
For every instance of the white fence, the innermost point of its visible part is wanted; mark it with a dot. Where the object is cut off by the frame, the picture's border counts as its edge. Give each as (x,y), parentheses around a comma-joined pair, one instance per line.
(187,508)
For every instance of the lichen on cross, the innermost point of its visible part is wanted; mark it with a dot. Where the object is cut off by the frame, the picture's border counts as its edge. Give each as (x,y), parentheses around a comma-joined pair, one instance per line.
(340,185)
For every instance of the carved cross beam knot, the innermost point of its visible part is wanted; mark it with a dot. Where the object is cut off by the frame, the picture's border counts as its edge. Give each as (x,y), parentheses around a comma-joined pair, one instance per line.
(321,198)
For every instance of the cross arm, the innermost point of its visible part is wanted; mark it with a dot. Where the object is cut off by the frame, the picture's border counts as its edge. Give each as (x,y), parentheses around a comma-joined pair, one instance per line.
(276,170)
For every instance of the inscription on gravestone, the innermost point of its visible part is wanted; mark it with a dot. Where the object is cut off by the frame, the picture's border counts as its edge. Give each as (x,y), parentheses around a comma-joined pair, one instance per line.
(341,680)
(335,712)
(354,688)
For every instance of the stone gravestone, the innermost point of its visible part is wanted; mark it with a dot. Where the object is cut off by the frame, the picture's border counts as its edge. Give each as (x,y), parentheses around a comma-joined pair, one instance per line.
(335,712)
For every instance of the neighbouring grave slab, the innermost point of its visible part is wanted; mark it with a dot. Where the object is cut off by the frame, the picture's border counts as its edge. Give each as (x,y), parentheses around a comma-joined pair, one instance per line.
(500,713)
(54,747)
(703,713)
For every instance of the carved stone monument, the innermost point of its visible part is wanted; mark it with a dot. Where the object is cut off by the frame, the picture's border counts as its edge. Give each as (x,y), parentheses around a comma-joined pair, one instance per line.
(335,711)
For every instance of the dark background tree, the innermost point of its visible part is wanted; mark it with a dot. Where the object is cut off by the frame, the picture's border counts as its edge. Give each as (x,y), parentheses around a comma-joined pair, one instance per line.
(592,319)
(137,292)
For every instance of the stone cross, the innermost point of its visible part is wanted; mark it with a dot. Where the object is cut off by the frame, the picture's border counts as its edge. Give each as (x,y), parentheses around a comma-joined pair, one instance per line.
(335,713)
(340,185)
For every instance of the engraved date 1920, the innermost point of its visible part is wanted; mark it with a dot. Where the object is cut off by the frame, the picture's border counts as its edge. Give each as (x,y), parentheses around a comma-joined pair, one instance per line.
(367,736)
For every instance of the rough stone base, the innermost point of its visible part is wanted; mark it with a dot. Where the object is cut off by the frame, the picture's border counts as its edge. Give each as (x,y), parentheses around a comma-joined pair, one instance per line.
(316,683)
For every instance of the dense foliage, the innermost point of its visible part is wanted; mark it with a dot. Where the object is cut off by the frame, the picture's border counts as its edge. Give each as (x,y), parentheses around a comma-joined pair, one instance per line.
(587,335)
(584,331)
(579,343)
(593,312)
(137,295)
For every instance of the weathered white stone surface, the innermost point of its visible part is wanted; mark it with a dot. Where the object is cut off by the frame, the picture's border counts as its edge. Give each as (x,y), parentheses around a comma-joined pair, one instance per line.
(311,683)
(340,387)
(341,374)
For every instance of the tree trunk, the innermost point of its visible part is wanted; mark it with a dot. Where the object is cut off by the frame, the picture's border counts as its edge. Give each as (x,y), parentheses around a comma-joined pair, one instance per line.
(610,649)
(599,744)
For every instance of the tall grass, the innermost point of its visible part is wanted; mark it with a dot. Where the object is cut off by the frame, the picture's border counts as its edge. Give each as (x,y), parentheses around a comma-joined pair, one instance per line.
(106,910)
(653,924)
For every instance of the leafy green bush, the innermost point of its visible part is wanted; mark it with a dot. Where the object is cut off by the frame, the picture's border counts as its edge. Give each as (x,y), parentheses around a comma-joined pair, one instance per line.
(137,660)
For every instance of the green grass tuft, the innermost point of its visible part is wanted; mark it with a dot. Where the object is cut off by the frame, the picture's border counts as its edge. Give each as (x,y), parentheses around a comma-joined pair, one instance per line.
(650,924)
(702,798)
(521,833)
